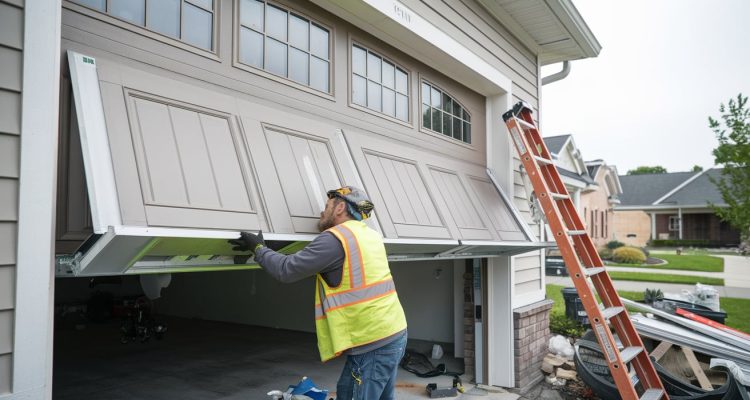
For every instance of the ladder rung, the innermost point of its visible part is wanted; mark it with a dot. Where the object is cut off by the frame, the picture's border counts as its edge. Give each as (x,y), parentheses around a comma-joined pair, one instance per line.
(576,233)
(559,196)
(629,353)
(543,160)
(593,271)
(525,124)
(610,312)
(652,394)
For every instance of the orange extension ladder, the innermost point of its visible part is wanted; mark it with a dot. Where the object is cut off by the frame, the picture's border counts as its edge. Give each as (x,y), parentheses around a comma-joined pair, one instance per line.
(582,262)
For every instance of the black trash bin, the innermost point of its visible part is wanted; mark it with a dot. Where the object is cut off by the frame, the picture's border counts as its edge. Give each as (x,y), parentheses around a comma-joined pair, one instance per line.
(574,306)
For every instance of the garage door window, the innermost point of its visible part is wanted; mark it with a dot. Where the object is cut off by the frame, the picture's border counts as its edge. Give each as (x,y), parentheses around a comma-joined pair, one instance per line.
(379,84)
(191,21)
(441,113)
(285,44)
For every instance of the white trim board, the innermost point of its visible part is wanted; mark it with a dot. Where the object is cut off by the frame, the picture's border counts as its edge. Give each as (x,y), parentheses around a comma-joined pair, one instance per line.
(37,196)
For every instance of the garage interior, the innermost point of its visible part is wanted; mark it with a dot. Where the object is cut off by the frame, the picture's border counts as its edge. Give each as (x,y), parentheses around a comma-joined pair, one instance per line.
(230,334)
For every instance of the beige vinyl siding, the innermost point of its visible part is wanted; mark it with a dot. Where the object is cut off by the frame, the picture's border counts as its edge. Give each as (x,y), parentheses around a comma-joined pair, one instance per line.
(11,68)
(471,25)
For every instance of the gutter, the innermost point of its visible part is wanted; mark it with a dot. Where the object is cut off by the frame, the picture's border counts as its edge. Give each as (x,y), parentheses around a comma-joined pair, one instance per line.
(559,75)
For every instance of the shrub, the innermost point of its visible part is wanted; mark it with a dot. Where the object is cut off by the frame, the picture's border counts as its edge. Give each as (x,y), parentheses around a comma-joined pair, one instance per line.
(605,253)
(628,255)
(560,324)
(613,244)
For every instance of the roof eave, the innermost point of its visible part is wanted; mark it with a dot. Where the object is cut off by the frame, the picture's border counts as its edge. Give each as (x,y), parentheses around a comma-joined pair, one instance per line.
(574,22)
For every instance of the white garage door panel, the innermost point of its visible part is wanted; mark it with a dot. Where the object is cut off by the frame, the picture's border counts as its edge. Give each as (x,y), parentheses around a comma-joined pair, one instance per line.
(500,217)
(298,160)
(405,198)
(427,195)
(462,209)
(192,167)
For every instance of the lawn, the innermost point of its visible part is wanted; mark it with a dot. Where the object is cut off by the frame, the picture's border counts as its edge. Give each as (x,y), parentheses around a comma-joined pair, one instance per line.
(736,309)
(665,278)
(684,262)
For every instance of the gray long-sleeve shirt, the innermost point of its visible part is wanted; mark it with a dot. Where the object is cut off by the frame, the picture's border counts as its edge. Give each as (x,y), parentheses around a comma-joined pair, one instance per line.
(324,255)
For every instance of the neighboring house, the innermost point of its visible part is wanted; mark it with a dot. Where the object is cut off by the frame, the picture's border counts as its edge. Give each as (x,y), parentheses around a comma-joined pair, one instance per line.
(593,185)
(129,146)
(672,206)
(571,166)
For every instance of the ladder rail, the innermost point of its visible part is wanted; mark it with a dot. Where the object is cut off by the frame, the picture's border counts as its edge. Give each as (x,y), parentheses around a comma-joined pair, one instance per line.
(579,253)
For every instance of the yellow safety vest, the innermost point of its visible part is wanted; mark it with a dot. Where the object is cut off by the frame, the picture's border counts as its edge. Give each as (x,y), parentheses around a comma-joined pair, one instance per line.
(364,307)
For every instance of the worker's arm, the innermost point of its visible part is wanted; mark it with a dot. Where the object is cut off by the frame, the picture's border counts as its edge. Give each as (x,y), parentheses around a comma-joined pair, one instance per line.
(323,254)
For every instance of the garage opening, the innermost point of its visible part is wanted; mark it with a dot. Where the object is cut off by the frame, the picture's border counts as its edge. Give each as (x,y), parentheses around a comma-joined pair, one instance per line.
(229,334)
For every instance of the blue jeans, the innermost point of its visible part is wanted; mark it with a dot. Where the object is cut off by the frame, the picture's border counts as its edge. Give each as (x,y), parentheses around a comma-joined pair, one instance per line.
(372,375)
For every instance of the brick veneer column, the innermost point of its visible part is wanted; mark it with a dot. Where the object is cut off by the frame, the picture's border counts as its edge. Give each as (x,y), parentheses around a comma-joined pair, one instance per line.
(530,337)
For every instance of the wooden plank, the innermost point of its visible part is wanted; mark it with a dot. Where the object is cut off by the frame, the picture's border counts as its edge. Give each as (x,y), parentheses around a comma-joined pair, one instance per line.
(697,370)
(661,349)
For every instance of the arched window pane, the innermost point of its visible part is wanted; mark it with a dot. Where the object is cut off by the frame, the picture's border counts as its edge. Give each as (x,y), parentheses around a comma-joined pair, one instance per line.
(389,78)
(299,32)
(373,67)
(251,14)
(359,61)
(319,42)
(276,22)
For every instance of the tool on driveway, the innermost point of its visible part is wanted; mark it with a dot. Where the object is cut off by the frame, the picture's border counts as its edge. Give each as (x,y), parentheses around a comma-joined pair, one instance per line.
(435,392)
(583,262)
(304,390)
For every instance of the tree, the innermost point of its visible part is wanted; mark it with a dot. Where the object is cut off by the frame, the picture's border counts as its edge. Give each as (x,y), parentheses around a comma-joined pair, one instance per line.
(733,153)
(697,168)
(642,170)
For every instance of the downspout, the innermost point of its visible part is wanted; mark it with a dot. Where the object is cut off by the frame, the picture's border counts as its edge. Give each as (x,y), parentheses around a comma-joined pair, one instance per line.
(558,76)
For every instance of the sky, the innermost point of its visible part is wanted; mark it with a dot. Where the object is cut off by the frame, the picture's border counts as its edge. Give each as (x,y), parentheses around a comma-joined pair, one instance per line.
(664,68)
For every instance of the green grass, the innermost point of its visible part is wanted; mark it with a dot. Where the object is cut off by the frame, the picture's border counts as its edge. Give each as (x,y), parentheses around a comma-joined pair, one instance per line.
(684,262)
(737,315)
(554,292)
(736,309)
(664,278)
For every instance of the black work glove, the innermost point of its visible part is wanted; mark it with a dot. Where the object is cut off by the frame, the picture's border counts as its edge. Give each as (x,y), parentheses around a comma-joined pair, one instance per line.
(248,242)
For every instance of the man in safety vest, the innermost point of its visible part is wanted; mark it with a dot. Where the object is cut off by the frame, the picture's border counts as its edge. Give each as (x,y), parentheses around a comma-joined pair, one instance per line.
(357,311)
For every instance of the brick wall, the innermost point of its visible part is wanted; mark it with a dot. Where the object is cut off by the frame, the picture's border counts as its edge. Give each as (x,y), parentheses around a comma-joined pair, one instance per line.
(530,337)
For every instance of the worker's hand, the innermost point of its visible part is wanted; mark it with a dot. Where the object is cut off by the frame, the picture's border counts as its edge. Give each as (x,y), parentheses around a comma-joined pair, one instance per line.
(248,242)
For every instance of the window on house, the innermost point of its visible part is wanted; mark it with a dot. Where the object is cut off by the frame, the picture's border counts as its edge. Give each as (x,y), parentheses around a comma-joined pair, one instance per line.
(601,224)
(674,223)
(593,224)
(379,84)
(443,114)
(191,21)
(285,44)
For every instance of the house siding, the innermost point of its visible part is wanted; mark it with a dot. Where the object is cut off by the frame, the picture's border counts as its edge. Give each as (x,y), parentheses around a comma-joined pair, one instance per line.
(488,39)
(11,67)
(632,227)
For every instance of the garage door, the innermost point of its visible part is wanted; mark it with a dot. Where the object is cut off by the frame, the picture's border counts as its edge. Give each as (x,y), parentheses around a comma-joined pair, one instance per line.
(175,167)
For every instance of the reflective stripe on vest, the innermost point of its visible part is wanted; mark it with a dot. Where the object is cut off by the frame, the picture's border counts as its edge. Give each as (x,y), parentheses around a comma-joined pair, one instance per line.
(354,296)
(356,273)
